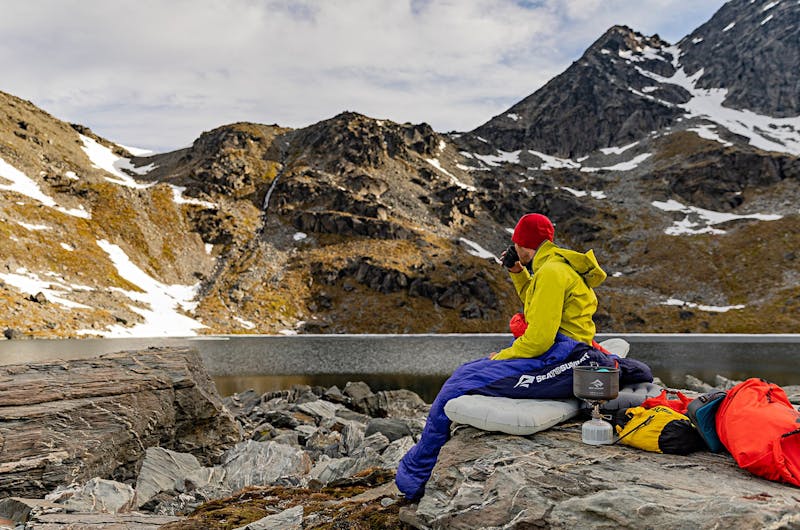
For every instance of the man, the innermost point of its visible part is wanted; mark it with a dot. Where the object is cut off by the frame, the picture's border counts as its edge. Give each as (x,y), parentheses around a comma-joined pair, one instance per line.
(559,302)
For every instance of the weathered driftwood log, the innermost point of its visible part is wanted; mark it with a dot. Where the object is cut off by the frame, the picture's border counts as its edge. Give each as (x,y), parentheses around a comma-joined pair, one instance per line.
(67,421)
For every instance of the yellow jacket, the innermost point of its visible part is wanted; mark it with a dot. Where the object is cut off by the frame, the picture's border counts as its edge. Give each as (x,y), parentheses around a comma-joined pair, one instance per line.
(557,298)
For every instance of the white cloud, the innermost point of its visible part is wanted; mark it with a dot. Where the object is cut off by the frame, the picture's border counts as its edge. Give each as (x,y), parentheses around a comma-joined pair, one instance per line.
(156,74)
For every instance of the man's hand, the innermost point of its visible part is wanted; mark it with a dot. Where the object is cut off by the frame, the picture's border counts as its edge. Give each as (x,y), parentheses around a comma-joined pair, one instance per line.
(493,355)
(517,267)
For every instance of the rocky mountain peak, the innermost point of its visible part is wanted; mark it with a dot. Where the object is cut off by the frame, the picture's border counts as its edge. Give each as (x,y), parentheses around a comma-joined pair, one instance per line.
(627,86)
(624,39)
(594,103)
(352,138)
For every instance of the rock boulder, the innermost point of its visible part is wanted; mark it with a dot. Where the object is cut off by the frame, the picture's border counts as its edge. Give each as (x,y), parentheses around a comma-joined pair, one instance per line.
(65,421)
(553,480)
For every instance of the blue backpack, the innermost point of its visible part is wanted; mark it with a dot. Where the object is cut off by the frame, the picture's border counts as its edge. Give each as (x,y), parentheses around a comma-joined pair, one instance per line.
(703,413)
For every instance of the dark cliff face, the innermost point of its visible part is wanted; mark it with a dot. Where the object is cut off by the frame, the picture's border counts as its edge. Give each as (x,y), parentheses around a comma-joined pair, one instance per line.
(751,49)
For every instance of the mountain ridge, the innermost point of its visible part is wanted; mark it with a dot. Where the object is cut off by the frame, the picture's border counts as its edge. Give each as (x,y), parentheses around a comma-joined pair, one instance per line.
(355,224)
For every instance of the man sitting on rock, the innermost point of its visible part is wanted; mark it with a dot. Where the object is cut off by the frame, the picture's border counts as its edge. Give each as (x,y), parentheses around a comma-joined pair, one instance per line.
(559,302)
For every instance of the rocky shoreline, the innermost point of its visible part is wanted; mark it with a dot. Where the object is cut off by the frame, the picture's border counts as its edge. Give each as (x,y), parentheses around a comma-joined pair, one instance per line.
(313,457)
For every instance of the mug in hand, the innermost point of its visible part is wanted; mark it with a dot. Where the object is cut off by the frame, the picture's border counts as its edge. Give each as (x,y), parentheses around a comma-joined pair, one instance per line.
(510,257)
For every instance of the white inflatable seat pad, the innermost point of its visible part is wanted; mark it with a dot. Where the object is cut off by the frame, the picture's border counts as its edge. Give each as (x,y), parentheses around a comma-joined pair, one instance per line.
(617,346)
(508,415)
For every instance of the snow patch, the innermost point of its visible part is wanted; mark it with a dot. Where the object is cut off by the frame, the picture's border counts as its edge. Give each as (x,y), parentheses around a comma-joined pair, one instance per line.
(580,193)
(707,131)
(701,221)
(477,250)
(163,318)
(68,248)
(462,167)
(435,163)
(770,6)
(246,324)
(702,307)
(177,196)
(24,185)
(728,27)
(53,288)
(697,40)
(299,236)
(104,158)
(620,150)
(764,132)
(513,116)
(137,151)
(641,54)
(33,227)
(766,20)
(553,162)
(622,166)
(503,157)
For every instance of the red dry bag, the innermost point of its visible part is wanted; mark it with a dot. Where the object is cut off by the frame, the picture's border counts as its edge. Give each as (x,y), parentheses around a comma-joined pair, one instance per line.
(761,429)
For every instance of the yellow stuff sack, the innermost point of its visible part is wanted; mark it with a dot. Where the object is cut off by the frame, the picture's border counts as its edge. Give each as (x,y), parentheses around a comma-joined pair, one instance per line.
(658,429)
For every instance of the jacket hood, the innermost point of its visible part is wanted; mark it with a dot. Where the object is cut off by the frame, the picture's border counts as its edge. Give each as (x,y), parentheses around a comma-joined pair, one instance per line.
(585,264)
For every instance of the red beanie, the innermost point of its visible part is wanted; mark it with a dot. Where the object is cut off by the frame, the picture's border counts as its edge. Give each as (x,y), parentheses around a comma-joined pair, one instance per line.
(532,229)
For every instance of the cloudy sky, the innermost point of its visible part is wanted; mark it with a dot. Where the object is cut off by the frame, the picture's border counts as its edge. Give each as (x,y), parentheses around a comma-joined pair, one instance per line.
(155,74)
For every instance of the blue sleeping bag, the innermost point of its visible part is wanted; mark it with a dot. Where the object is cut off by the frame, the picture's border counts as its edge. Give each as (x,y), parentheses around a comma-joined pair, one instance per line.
(546,376)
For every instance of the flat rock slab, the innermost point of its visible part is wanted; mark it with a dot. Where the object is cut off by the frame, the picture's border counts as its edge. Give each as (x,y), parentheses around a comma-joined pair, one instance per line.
(103,521)
(553,480)
(65,421)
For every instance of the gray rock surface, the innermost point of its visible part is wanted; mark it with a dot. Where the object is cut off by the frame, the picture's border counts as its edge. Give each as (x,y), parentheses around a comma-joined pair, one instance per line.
(392,428)
(101,496)
(165,470)
(84,521)
(553,480)
(327,471)
(18,509)
(395,451)
(262,463)
(70,421)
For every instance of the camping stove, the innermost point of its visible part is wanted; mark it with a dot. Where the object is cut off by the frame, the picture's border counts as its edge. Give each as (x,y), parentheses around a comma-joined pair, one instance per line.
(596,385)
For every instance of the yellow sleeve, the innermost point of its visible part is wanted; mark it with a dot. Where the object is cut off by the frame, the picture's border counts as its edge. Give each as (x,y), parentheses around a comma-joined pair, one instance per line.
(522,281)
(544,305)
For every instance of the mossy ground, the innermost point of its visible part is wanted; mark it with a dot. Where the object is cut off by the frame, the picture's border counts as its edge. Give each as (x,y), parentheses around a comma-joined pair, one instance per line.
(328,508)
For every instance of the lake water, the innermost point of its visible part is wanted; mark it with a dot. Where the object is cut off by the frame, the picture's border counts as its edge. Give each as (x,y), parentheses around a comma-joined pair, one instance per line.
(421,362)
